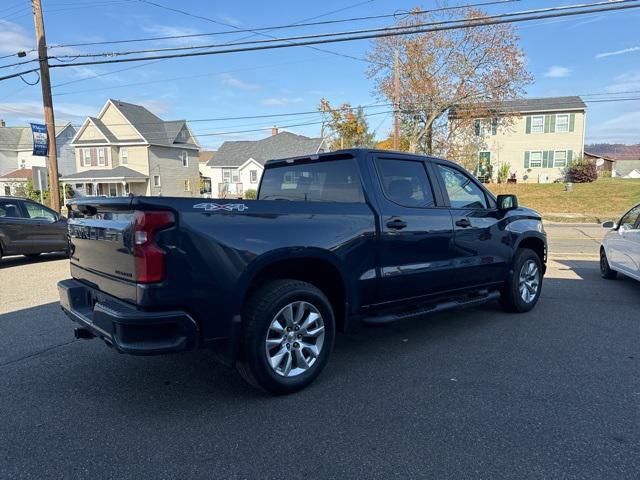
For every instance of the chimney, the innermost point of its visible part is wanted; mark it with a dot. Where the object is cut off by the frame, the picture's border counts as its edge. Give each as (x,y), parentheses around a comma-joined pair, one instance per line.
(274,130)
(2,124)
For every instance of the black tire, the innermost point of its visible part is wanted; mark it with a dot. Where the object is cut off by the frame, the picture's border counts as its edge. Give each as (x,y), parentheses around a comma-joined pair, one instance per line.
(510,297)
(32,255)
(605,269)
(259,312)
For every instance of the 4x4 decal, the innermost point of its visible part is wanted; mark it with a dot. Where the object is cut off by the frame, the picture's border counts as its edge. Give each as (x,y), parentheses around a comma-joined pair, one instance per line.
(225,207)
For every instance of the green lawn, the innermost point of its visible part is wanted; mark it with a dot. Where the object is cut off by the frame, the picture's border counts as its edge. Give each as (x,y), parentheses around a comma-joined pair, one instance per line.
(605,199)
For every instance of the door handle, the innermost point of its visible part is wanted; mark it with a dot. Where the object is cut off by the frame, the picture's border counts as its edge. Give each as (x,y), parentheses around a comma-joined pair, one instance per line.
(463,222)
(396,224)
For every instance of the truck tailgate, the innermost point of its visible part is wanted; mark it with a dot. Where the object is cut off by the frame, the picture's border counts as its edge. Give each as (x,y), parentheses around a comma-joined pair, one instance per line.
(102,251)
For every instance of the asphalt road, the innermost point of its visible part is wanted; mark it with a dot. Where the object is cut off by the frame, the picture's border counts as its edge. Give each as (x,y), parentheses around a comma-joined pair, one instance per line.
(472,394)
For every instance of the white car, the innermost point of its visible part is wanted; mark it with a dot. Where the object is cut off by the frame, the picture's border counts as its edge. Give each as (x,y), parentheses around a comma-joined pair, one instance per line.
(620,250)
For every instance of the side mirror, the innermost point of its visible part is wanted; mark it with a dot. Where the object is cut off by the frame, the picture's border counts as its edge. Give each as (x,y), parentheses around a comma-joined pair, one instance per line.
(507,202)
(610,225)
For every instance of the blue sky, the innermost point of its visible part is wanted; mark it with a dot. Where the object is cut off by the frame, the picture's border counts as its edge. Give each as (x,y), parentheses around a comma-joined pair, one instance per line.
(593,54)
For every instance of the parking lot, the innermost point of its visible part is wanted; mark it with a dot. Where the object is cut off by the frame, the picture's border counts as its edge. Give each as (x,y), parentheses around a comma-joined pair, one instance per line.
(479,393)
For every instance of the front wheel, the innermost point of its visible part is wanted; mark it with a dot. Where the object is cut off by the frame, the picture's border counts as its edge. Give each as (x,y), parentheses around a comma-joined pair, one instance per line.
(289,329)
(524,285)
(605,268)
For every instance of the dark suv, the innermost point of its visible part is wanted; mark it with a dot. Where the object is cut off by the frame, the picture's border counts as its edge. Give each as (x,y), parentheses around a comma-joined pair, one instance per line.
(28,228)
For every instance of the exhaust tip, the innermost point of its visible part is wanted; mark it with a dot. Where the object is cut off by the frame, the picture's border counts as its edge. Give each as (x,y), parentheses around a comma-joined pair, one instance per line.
(83,333)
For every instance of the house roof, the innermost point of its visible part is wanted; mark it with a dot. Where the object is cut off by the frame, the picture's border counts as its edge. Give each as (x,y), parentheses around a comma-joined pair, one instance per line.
(206,155)
(21,138)
(525,105)
(154,130)
(118,172)
(594,155)
(615,151)
(20,174)
(281,145)
(626,167)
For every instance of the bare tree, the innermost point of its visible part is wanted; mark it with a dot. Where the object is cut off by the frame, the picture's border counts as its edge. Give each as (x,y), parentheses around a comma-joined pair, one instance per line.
(444,69)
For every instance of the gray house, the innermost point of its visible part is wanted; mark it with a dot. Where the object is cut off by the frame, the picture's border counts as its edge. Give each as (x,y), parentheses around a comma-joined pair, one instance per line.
(127,149)
(16,146)
(237,166)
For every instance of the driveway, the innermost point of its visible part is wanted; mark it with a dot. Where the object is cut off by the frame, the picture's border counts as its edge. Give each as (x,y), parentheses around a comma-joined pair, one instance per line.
(471,394)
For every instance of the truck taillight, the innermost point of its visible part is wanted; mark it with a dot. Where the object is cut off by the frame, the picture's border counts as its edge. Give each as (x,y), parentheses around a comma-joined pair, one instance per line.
(149,258)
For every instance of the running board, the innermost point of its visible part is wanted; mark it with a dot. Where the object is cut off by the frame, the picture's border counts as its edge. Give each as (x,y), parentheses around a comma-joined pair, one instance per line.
(434,308)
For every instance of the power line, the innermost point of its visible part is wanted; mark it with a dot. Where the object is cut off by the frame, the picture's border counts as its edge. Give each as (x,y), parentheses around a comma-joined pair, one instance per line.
(407,31)
(408,28)
(287,26)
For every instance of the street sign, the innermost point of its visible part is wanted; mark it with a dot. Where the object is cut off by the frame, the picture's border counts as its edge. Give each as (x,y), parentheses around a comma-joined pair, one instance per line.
(40,139)
(39,178)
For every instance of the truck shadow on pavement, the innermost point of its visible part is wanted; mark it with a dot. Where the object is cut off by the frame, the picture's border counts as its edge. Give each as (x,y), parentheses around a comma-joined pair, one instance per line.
(369,358)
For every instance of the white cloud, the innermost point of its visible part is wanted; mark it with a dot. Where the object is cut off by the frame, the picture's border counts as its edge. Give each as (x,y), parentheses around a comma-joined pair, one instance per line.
(618,52)
(625,82)
(235,82)
(30,111)
(556,71)
(172,31)
(276,102)
(14,38)
(622,128)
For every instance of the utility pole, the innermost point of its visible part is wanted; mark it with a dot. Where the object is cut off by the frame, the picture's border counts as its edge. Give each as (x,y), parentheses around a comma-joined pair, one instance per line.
(47,102)
(396,101)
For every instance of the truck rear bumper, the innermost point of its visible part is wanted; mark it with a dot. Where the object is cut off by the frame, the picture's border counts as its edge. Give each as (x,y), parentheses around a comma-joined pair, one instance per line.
(124,327)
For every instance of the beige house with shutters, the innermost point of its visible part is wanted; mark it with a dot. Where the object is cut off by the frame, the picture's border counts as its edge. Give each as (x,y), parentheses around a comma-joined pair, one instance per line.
(536,137)
(126,149)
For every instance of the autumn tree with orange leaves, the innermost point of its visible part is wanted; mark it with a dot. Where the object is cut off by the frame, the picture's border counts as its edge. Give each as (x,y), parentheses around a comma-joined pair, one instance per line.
(443,69)
(345,126)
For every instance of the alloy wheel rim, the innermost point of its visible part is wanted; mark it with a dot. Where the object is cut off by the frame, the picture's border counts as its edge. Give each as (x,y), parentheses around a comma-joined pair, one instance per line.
(529,281)
(295,339)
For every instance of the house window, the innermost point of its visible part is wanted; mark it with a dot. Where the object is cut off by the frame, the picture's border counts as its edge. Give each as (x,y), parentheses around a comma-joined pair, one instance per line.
(229,175)
(187,185)
(124,156)
(101,157)
(86,157)
(253,176)
(562,123)
(185,159)
(537,124)
(7,190)
(560,158)
(156,180)
(23,163)
(535,159)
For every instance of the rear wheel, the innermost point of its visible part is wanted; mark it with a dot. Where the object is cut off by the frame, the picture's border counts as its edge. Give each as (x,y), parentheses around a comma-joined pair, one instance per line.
(289,329)
(524,285)
(605,269)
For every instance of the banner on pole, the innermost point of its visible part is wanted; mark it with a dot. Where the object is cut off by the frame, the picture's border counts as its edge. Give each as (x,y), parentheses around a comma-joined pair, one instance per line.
(40,139)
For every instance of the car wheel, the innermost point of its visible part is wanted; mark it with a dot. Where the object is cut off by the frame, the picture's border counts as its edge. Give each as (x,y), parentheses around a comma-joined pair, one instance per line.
(524,285)
(289,329)
(32,255)
(605,269)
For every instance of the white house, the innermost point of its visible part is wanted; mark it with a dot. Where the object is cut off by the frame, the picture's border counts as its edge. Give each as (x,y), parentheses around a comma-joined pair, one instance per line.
(237,166)
(16,147)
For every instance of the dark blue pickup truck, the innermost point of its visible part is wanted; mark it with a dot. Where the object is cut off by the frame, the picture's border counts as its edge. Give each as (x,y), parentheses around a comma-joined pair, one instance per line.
(366,235)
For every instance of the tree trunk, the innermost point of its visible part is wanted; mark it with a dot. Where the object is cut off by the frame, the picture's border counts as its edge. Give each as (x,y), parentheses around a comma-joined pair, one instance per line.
(429,139)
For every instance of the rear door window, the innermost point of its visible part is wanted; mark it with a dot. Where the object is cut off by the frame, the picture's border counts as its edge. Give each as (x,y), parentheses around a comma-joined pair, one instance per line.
(10,209)
(405,182)
(328,181)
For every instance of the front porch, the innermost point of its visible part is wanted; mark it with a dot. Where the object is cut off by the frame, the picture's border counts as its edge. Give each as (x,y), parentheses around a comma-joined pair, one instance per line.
(118,182)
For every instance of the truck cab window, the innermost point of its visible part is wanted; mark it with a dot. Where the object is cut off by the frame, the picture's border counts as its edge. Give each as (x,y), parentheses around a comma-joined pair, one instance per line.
(462,191)
(330,181)
(405,182)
